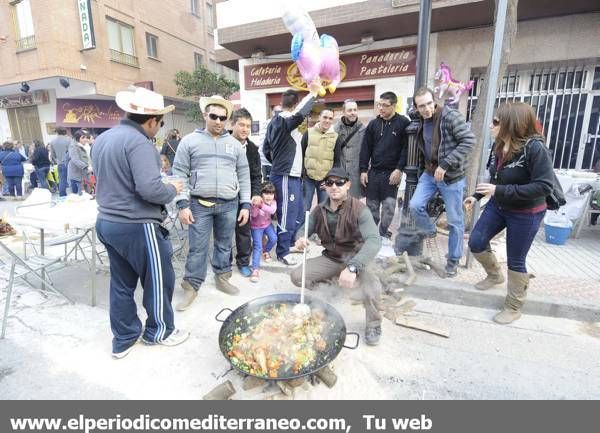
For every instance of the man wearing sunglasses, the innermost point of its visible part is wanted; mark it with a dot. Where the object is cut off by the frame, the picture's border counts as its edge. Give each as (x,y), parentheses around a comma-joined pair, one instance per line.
(382,159)
(351,241)
(215,168)
(444,143)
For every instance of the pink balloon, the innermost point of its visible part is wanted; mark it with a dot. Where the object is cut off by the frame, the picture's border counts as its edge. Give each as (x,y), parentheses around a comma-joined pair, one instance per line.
(309,61)
(330,60)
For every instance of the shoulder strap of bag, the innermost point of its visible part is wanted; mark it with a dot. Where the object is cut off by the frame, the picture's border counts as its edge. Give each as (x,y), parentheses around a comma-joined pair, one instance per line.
(349,137)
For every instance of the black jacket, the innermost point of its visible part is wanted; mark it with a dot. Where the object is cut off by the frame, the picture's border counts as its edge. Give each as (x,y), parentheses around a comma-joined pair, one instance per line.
(279,147)
(525,180)
(385,144)
(40,158)
(255,168)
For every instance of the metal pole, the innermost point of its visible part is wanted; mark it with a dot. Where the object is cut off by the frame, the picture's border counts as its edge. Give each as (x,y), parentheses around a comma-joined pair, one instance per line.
(407,238)
(490,96)
(423,43)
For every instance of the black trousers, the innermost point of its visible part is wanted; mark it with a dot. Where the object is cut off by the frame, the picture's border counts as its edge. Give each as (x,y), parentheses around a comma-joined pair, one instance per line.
(381,199)
(243,244)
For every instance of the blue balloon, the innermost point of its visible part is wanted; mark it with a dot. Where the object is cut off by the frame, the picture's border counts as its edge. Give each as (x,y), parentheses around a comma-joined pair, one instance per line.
(297,42)
(327,41)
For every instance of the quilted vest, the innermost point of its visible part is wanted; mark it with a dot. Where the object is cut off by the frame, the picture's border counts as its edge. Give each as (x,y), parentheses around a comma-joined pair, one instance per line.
(318,158)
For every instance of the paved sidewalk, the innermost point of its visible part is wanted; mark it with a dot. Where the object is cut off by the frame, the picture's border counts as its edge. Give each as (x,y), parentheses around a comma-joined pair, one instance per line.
(566,283)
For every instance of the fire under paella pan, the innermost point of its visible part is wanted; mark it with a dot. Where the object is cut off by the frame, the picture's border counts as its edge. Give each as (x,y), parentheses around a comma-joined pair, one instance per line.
(265,332)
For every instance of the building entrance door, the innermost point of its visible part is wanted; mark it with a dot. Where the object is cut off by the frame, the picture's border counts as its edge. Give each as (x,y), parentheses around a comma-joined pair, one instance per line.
(25,124)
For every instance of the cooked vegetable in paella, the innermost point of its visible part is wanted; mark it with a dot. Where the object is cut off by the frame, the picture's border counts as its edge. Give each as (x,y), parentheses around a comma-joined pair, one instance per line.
(274,342)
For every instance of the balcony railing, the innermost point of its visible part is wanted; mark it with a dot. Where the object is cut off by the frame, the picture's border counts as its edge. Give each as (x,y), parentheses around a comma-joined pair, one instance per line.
(126,59)
(26,43)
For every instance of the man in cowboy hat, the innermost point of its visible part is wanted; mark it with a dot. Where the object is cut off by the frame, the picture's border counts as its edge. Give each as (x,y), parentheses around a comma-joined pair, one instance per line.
(131,199)
(215,166)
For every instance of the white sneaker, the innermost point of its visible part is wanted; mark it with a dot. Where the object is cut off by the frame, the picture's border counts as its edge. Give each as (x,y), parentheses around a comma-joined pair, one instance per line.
(178,336)
(386,242)
(387,248)
(123,354)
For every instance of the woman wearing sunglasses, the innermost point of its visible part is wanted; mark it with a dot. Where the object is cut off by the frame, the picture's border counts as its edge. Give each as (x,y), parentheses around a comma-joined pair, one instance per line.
(521,176)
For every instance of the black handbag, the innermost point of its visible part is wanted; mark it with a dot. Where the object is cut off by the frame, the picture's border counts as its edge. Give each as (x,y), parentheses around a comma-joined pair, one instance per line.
(556,198)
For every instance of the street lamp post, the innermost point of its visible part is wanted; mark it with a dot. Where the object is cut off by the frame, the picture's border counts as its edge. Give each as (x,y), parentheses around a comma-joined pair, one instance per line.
(407,238)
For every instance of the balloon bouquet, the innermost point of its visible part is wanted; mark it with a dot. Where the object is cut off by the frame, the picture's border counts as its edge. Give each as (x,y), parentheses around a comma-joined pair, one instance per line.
(316,58)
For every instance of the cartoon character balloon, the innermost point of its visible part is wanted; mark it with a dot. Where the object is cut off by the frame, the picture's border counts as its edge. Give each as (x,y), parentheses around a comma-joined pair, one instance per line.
(316,58)
(449,86)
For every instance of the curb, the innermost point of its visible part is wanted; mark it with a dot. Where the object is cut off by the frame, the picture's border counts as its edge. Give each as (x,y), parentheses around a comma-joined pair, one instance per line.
(463,294)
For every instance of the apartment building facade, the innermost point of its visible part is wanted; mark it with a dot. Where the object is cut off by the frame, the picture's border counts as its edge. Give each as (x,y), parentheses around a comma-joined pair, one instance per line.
(62,62)
(554,64)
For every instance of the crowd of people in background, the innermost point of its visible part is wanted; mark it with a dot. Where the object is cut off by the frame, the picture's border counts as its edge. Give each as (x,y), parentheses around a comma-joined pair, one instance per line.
(62,164)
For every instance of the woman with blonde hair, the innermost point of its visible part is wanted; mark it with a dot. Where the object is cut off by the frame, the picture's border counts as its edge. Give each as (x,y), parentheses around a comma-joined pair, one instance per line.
(521,177)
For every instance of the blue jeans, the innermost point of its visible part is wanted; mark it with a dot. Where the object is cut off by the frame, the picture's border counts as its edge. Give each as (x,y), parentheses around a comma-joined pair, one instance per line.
(219,219)
(138,252)
(76,187)
(15,185)
(309,186)
(42,175)
(257,243)
(521,229)
(62,180)
(452,195)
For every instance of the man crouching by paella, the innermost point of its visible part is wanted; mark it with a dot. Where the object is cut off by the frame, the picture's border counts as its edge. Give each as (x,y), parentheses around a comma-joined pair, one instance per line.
(351,241)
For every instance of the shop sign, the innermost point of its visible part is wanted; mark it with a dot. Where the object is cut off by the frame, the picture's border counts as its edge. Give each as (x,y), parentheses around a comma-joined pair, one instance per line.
(87,113)
(88,39)
(19,100)
(393,62)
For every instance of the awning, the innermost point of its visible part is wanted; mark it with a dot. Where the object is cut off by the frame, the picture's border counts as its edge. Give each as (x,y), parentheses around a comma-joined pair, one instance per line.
(361,93)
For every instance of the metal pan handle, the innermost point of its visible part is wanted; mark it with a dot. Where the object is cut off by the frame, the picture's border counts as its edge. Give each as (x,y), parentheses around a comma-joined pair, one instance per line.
(219,313)
(357,340)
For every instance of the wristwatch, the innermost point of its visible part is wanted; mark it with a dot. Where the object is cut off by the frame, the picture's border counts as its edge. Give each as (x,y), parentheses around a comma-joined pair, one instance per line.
(353,269)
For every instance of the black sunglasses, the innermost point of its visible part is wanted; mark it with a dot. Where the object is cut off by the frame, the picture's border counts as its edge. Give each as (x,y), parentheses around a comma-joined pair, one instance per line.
(495,121)
(162,123)
(213,116)
(339,182)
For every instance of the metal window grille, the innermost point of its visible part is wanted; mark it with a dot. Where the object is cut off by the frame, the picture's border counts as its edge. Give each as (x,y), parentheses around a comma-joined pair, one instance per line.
(127,59)
(26,43)
(565,104)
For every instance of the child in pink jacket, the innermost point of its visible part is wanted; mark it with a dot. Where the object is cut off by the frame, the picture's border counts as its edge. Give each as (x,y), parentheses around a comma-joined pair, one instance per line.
(262,211)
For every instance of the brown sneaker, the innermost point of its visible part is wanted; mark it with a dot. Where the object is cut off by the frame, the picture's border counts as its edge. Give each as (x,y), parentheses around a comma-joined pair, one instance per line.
(189,294)
(223,284)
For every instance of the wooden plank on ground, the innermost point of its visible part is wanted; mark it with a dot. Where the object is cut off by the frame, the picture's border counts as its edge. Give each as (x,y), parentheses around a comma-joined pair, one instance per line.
(409,322)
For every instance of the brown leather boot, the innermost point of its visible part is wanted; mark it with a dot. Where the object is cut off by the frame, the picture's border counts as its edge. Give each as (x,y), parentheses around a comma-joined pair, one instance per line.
(492,268)
(517,292)
(189,294)
(223,284)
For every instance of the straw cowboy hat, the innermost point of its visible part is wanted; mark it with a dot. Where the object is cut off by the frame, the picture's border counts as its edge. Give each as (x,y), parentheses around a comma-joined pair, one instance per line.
(142,101)
(205,101)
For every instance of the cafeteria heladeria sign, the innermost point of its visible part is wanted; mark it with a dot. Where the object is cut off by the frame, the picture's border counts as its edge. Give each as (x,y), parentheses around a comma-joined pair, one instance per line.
(88,40)
(393,62)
